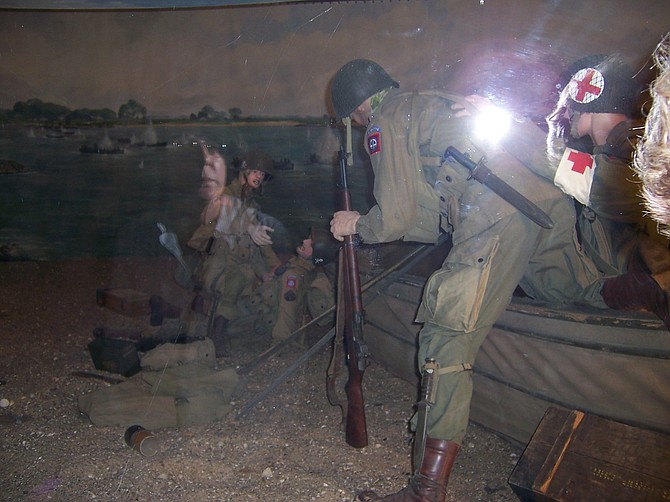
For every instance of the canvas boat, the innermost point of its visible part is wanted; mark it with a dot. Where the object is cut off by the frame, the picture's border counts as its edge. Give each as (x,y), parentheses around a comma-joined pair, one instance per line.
(608,363)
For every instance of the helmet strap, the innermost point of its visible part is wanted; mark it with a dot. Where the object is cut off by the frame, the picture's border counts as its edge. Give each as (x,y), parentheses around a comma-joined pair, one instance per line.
(348,149)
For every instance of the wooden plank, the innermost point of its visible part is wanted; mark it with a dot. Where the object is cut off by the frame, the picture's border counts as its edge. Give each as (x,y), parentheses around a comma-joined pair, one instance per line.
(129,302)
(576,456)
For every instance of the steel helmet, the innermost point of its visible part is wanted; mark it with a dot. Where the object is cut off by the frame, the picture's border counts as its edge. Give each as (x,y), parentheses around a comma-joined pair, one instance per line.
(324,246)
(258,160)
(606,87)
(355,82)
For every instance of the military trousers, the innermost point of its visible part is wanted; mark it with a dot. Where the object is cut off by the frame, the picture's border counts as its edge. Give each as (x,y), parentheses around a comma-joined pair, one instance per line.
(463,299)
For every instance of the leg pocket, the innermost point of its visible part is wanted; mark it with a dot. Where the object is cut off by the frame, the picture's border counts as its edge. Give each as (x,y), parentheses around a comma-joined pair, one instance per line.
(453,295)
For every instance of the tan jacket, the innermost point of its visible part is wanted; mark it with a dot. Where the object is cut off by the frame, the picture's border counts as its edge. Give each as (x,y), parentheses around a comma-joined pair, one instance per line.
(416,193)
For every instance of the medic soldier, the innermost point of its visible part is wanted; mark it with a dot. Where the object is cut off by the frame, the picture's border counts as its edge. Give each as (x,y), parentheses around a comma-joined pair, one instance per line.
(592,137)
(421,192)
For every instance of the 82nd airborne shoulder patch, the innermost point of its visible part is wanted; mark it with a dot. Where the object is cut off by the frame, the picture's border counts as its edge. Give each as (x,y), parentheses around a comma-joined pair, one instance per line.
(374,140)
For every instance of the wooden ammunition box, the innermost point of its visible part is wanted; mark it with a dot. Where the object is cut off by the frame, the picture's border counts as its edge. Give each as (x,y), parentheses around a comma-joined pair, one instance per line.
(576,456)
(115,355)
(129,302)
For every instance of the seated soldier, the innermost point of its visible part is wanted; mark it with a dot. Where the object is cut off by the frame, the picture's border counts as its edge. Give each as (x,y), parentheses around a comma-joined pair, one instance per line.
(299,287)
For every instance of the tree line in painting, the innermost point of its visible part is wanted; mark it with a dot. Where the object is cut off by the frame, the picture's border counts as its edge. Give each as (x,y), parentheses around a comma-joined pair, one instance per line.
(35,111)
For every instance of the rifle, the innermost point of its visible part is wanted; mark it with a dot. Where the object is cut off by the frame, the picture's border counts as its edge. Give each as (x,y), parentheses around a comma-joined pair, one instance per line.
(356,351)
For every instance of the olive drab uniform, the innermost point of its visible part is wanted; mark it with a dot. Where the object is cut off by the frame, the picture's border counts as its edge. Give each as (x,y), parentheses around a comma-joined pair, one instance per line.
(230,262)
(297,288)
(236,189)
(495,247)
(613,225)
(292,283)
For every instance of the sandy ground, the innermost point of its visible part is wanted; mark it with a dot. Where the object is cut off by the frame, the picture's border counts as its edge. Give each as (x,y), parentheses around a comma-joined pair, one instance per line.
(290,446)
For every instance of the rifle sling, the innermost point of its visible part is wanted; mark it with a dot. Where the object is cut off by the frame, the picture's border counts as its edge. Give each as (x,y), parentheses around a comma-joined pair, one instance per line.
(335,365)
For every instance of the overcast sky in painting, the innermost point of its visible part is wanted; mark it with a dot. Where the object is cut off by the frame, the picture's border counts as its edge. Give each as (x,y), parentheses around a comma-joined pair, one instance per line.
(278,59)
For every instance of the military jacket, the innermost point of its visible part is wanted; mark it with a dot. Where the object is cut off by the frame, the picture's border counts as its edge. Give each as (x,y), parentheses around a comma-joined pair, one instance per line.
(615,194)
(417,191)
(236,189)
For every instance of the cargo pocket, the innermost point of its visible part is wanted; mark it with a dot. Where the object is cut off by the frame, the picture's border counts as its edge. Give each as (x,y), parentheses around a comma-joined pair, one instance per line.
(454,294)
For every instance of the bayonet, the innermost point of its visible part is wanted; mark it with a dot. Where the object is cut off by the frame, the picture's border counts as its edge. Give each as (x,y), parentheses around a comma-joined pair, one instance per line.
(483,174)
(426,401)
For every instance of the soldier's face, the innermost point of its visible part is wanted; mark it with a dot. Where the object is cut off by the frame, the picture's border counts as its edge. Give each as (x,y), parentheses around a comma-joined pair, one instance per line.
(255,178)
(361,115)
(580,124)
(304,250)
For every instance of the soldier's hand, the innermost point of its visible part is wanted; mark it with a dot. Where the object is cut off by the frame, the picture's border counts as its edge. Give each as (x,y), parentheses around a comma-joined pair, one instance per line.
(480,103)
(260,234)
(344,223)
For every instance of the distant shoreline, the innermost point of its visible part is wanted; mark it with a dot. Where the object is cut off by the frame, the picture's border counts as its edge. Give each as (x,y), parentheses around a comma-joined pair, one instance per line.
(279,123)
(172,123)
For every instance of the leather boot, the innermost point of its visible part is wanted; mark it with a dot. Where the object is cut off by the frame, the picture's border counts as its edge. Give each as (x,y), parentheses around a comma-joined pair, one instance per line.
(160,309)
(219,336)
(636,290)
(429,482)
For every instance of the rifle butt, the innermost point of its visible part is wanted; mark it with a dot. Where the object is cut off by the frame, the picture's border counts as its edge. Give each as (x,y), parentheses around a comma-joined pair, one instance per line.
(356,433)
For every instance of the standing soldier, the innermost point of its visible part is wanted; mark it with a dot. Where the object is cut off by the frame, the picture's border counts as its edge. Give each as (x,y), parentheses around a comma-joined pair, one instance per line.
(255,168)
(229,242)
(420,192)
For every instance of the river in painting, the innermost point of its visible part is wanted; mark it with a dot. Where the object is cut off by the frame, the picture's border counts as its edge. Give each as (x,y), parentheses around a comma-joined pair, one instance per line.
(72,205)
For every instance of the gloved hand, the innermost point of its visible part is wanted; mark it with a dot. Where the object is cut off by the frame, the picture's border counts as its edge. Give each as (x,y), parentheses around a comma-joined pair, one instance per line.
(260,234)
(344,223)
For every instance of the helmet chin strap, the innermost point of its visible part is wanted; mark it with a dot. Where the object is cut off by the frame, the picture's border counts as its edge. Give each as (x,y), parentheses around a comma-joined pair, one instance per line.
(574,122)
(348,149)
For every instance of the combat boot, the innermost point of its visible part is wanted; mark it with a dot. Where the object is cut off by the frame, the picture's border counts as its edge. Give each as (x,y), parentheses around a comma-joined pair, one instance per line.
(429,482)
(219,336)
(161,309)
(636,290)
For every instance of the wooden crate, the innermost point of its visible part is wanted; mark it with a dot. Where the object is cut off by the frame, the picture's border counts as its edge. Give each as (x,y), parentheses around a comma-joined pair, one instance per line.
(115,355)
(576,456)
(129,302)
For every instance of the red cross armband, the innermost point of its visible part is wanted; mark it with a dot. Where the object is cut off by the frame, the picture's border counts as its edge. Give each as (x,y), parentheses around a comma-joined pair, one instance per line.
(574,175)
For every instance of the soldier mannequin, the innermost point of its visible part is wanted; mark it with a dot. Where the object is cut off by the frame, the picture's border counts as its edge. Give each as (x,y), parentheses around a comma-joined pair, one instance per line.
(590,143)
(228,244)
(296,274)
(255,168)
(495,247)
(298,286)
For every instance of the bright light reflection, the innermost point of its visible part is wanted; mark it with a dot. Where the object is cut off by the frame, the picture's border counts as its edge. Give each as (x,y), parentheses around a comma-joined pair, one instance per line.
(492,124)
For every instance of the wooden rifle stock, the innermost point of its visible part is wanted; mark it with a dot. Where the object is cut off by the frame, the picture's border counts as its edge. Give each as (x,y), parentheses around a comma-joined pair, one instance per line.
(356,351)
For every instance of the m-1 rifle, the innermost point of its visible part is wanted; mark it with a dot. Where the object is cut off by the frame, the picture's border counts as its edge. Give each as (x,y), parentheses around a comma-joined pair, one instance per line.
(349,290)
